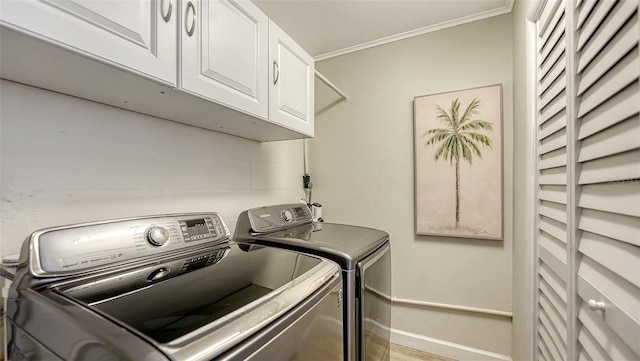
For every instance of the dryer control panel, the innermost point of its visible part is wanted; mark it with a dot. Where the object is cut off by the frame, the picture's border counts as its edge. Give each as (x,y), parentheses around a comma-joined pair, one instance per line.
(278,217)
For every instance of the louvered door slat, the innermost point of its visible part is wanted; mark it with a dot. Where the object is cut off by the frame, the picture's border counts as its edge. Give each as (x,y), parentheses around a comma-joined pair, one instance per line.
(618,167)
(556,70)
(554,228)
(557,176)
(621,258)
(554,316)
(556,194)
(593,22)
(555,141)
(554,159)
(619,198)
(555,58)
(615,50)
(544,354)
(591,346)
(583,356)
(553,246)
(554,211)
(557,34)
(620,228)
(606,31)
(554,299)
(549,343)
(622,106)
(544,23)
(556,106)
(556,267)
(557,335)
(584,11)
(554,124)
(620,138)
(558,86)
(623,74)
(556,282)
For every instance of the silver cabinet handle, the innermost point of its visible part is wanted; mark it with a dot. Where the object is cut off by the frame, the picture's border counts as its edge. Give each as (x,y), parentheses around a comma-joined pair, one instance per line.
(193,18)
(169,11)
(276,72)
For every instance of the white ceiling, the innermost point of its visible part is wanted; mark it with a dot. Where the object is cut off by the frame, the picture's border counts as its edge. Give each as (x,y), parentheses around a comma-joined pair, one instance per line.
(327,28)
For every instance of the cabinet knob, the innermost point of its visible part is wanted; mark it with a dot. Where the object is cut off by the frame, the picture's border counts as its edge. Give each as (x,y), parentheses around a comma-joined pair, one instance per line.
(596,305)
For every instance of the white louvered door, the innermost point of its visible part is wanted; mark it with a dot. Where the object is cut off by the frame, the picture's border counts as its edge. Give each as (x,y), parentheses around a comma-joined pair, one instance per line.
(608,180)
(588,111)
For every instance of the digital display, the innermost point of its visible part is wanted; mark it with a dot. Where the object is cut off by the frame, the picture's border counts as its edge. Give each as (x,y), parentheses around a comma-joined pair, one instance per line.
(196,227)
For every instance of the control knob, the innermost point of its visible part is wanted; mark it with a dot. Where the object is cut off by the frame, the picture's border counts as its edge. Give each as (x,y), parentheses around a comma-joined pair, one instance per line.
(157,236)
(286,215)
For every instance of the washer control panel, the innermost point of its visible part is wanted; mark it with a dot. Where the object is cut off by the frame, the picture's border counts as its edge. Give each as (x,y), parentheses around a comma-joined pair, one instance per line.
(278,217)
(84,247)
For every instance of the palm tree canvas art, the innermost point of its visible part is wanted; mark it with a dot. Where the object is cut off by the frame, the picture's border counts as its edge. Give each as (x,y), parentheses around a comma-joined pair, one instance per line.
(458,154)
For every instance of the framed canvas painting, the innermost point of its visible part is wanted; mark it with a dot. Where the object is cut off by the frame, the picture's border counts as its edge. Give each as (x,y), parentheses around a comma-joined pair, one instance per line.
(458,163)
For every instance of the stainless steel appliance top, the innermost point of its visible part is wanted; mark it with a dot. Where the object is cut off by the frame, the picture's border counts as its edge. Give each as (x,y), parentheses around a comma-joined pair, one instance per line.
(290,226)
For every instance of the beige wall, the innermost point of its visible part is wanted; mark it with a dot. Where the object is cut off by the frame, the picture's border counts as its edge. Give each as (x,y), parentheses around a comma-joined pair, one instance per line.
(362,168)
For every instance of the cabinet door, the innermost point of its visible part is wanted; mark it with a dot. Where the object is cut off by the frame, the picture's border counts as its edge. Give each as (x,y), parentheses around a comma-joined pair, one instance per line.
(137,36)
(224,52)
(291,84)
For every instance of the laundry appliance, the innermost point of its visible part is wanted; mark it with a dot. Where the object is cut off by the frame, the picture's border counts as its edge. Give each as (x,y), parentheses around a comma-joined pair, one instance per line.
(364,255)
(169,287)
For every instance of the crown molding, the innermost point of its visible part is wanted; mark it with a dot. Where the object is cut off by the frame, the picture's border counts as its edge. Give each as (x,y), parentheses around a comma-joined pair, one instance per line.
(428,29)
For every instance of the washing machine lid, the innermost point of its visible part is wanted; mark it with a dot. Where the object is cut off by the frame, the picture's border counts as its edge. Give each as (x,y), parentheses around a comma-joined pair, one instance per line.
(289,226)
(201,313)
(343,244)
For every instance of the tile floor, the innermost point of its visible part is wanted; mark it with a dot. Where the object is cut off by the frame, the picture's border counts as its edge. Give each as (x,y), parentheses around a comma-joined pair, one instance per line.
(398,352)
(402,353)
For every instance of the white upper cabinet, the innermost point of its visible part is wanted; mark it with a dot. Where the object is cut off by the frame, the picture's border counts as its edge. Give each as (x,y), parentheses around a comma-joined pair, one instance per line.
(137,36)
(291,83)
(214,64)
(224,54)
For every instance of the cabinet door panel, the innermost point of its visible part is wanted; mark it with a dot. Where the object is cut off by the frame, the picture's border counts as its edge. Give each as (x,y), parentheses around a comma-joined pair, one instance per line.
(291,95)
(225,60)
(138,36)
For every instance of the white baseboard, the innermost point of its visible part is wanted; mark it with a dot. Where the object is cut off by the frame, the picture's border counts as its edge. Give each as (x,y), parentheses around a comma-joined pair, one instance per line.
(444,348)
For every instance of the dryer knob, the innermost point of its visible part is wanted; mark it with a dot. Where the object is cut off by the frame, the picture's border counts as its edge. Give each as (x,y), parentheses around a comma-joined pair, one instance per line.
(157,236)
